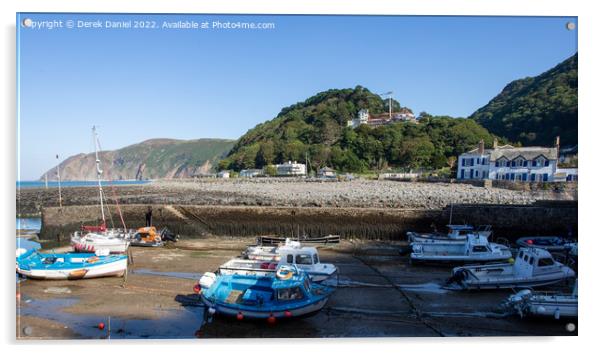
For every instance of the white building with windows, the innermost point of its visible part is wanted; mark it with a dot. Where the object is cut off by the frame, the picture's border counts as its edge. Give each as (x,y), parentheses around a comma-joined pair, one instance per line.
(291,169)
(532,164)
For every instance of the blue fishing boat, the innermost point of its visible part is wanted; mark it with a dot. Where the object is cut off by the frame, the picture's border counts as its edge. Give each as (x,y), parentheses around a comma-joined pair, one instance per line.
(287,295)
(32,264)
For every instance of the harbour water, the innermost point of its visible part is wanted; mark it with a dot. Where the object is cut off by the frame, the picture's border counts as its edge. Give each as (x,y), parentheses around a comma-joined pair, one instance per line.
(29,184)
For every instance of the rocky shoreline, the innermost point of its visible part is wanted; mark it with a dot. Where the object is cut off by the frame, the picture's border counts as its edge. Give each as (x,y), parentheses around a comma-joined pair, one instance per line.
(289,193)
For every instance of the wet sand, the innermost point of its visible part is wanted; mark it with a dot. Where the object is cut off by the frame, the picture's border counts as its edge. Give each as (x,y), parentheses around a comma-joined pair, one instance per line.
(379,294)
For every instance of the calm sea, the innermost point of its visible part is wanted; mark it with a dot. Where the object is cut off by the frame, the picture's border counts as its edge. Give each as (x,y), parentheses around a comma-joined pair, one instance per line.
(66,184)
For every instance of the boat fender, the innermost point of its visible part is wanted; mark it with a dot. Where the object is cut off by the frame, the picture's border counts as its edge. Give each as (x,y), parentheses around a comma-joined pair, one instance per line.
(557,314)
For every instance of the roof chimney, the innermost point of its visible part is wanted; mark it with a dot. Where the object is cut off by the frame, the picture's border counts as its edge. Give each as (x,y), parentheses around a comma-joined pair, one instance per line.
(557,145)
(481,147)
(495,143)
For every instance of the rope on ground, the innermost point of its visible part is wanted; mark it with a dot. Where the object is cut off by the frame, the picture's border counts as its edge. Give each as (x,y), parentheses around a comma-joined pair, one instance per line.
(404,294)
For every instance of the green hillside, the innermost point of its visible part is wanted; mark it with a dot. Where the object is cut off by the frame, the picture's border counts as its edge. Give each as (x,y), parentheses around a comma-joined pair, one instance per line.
(535,110)
(317,128)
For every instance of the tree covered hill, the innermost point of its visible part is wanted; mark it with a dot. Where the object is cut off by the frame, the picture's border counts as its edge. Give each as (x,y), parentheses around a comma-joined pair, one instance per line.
(317,129)
(534,110)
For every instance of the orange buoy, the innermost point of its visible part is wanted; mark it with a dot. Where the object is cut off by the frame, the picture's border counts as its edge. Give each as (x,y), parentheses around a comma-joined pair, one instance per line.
(101,326)
(239,316)
(271,319)
(18,295)
(196,288)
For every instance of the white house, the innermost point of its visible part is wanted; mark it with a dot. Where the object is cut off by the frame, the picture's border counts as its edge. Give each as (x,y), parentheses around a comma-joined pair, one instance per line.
(291,169)
(224,174)
(513,163)
(364,117)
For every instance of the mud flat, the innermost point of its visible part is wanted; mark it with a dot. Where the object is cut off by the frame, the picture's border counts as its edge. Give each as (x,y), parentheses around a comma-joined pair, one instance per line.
(378,292)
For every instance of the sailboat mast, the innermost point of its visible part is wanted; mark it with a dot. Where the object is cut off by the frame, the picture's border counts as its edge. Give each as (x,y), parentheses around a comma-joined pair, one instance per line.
(98,173)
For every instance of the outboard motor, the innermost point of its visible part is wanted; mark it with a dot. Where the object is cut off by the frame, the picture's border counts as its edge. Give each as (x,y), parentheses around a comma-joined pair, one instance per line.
(167,235)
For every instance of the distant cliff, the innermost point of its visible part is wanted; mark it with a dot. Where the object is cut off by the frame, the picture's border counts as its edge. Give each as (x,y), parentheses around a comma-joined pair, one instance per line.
(151,159)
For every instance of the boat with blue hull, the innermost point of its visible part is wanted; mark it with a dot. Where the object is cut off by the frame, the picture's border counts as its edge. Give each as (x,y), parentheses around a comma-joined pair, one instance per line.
(36,265)
(289,294)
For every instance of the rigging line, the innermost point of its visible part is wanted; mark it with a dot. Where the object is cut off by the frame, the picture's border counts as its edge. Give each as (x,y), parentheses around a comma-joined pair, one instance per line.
(115,198)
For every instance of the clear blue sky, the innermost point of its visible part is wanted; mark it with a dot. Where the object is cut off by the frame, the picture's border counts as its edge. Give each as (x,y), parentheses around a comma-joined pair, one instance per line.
(186,84)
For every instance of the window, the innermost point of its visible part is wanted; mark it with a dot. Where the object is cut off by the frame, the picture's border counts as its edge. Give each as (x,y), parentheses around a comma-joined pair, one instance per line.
(513,163)
(294,293)
(532,177)
(303,259)
(534,163)
(479,248)
(476,174)
(289,258)
(462,174)
(545,177)
(547,163)
(524,176)
(531,261)
(545,261)
(316,260)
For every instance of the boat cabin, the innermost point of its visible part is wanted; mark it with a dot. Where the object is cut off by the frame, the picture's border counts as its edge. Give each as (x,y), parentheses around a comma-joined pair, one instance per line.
(456,231)
(299,255)
(477,244)
(535,261)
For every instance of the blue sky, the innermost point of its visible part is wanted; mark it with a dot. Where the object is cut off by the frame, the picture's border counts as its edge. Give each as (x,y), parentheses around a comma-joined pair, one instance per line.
(139,84)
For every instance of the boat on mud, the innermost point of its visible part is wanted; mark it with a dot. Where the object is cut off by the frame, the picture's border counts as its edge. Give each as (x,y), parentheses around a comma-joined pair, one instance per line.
(94,238)
(527,303)
(288,294)
(457,233)
(90,239)
(553,244)
(305,258)
(532,267)
(36,265)
(150,237)
(475,248)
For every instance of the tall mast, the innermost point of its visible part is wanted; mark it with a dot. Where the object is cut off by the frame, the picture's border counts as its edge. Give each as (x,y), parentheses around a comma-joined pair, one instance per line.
(98,173)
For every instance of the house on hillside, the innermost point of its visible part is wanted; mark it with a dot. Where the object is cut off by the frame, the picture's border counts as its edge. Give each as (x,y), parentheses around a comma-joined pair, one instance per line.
(530,164)
(364,117)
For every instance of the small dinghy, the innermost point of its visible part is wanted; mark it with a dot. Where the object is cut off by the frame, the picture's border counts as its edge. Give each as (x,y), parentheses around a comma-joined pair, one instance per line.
(553,244)
(557,305)
(475,248)
(33,264)
(304,257)
(288,294)
(532,267)
(455,234)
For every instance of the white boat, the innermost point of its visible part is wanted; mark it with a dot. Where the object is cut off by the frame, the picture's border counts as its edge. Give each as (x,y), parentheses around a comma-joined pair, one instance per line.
(263,260)
(89,241)
(532,267)
(456,234)
(475,248)
(557,305)
(93,238)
